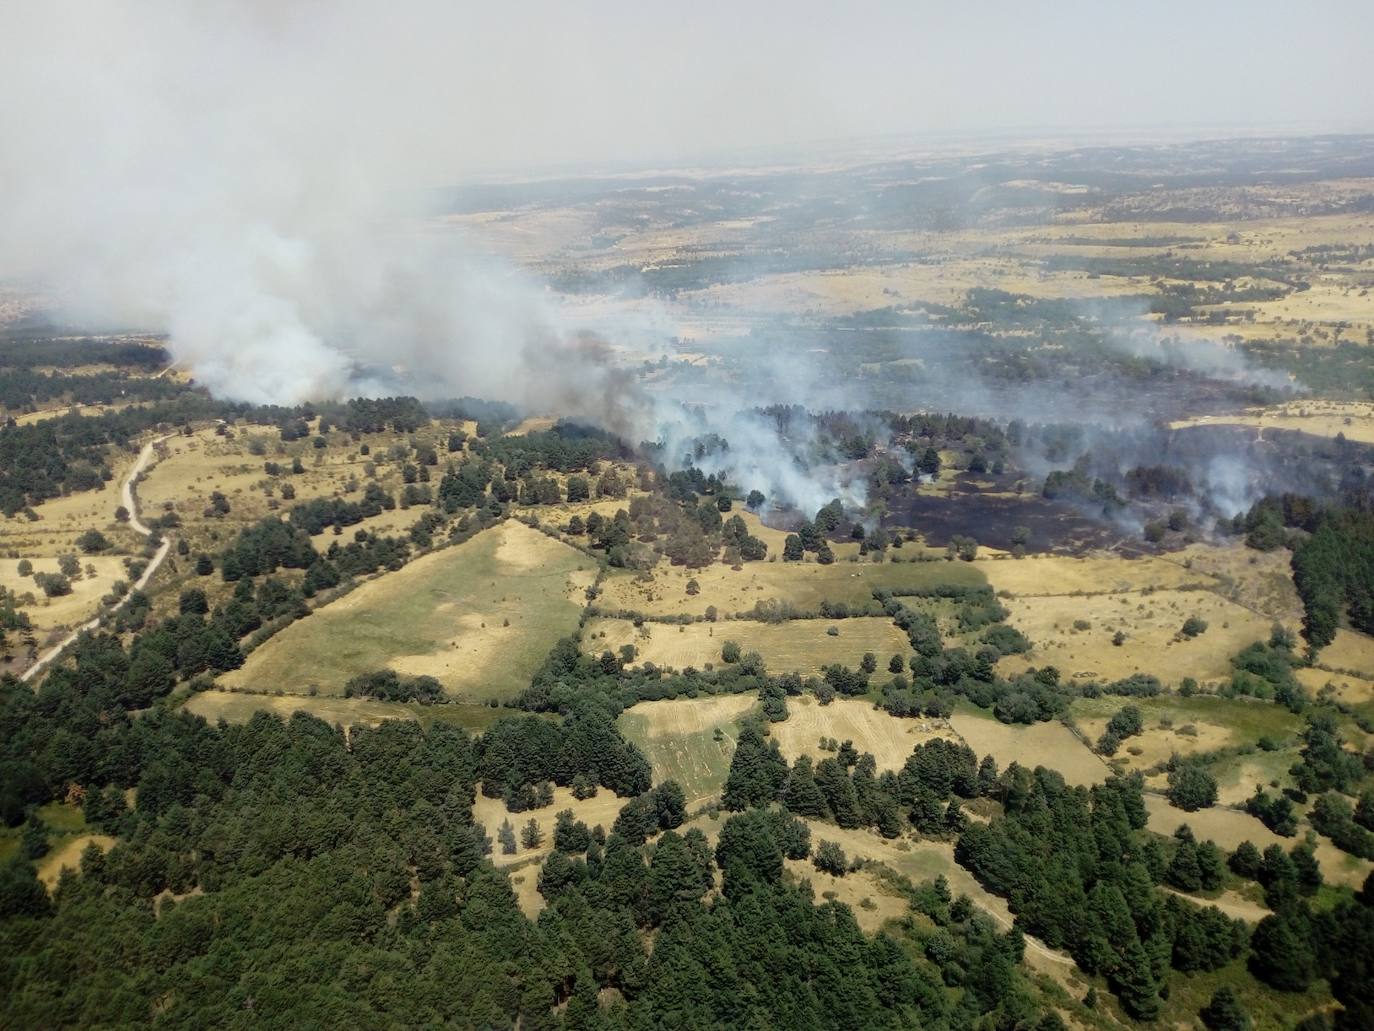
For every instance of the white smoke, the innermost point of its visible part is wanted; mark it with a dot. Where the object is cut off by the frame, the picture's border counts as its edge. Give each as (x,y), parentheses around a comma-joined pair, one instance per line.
(239,176)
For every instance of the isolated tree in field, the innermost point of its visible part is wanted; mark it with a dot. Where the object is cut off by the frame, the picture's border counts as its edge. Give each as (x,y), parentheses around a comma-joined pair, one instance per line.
(730,652)
(755,500)
(830,858)
(92,542)
(25,567)
(792,549)
(1191,787)
(531,836)
(205,565)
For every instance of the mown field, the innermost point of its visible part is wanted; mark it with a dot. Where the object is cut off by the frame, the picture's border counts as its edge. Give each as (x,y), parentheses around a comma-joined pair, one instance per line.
(799,646)
(480,617)
(689,740)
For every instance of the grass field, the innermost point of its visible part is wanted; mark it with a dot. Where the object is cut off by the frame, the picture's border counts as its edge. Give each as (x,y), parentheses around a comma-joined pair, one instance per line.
(1051,745)
(1349,651)
(678,736)
(1041,575)
(802,584)
(601,809)
(1151,625)
(1198,724)
(798,646)
(1229,827)
(1354,419)
(239,707)
(889,739)
(480,617)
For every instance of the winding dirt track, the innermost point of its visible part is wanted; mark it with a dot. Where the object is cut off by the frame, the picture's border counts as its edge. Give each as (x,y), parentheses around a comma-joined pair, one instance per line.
(130,502)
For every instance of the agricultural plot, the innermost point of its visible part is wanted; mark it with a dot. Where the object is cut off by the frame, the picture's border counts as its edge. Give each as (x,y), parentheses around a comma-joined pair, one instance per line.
(1076,635)
(240,706)
(804,585)
(689,740)
(889,739)
(799,646)
(1051,745)
(480,617)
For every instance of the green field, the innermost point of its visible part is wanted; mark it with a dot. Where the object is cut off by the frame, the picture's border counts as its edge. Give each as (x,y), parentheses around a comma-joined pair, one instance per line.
(480,617)
(679,739)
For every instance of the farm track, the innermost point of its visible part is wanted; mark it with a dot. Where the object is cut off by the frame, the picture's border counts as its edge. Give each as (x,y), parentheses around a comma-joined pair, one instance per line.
(130,502)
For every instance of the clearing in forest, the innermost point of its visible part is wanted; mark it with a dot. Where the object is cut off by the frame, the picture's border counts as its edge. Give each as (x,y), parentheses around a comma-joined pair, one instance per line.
(689,740)
(1186,726)
(239,707)
(889,739)
(1076,634)
(480,617)
(803,585)
(1051,745)
(1350,652)
(798,646)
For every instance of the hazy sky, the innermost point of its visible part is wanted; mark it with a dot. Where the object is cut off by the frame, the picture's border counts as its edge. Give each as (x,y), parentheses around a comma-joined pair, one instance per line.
(508,85)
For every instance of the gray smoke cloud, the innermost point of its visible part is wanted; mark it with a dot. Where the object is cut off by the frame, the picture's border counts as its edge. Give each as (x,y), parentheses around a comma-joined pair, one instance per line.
(239,176)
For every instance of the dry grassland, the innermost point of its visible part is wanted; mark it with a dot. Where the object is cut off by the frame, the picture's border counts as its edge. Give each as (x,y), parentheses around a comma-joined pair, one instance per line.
(862,891)
(68,856)
(1351,690)
(490,812)
(889,739)
(51,614)
(480,617)
(1354,419)
(240,706)
(1151,624)
(801,584)
(1349,651)
(1229,827)
(678,736)
(1258,580)
(1051,745)
(1047,575)
(799,646)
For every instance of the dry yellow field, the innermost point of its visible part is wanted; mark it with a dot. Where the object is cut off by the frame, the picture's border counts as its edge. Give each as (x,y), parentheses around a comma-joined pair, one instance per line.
(239,707)
(49,614)
(870,898)
(1260,580)
(1354,419)
(1047,575)
(798,646)
(68,856)
(679,738)
(1349,651)
(1351,690)
(601,809)
(1051,745)
(480,617)
(1150,622)
(802,584)
(889,739)
(1229,827)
